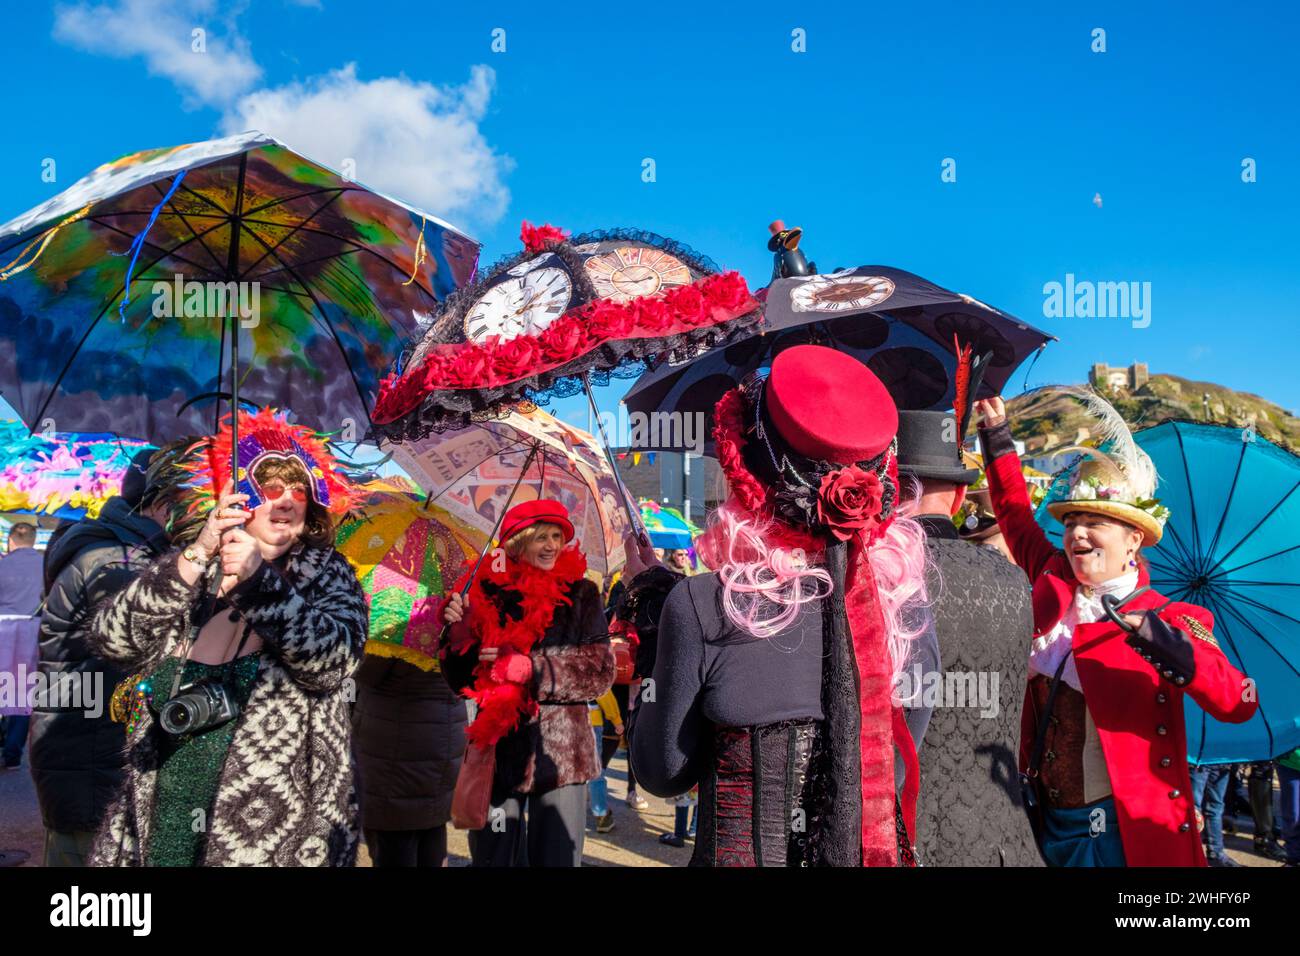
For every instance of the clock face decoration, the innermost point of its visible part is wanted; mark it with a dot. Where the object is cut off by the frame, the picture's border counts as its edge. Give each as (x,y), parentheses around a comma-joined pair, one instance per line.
(520,305)
(528,265)
(623,274)
(840,293)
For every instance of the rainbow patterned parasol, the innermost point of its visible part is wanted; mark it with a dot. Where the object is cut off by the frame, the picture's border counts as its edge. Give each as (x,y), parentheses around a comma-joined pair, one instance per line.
(116,295)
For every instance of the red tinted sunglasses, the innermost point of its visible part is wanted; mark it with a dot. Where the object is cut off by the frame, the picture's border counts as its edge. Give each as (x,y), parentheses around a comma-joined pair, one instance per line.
(272,491)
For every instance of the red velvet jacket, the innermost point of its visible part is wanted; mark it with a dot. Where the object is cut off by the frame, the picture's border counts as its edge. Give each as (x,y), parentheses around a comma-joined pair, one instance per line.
(1138,713)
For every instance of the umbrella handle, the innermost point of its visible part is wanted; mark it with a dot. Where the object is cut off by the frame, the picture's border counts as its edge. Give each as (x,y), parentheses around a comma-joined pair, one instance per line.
(635,523)
(487,545)
(1112,606)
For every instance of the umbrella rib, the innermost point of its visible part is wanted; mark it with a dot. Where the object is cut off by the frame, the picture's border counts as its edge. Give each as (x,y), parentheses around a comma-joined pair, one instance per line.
(1266,557)
(1259,524)
(324,319)
(1254,630)
(288,234)
(1268,729)
(1260,584)
(359,247)
(108,304)
(1188,558)
(166,253)
(203,197)
(171,204)
(1227,505)
(500,451)
(1261,605)
(270,204)
(1191,498)
(309,262)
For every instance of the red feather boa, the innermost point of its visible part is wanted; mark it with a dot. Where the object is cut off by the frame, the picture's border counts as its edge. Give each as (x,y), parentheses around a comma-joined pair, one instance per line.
(502,704)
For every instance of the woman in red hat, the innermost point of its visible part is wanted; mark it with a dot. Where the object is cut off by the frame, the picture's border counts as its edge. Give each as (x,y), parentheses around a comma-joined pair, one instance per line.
(772,687)
(530,647)
(1102,736)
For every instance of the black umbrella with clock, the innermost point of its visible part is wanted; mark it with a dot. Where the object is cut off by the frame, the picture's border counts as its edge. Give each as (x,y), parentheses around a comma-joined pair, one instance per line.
(925,343)
(556,318)
(562,313)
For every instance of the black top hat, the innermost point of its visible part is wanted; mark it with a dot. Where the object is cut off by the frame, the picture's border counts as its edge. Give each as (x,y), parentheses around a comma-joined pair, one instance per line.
(930,447)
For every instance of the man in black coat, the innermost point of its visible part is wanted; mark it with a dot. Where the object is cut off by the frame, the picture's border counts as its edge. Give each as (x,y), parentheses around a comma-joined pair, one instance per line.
(76,750)
(969,811)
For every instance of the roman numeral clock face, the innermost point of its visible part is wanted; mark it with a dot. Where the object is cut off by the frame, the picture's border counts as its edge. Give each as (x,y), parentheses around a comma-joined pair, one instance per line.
(840,293)
(627,273)
(531,296)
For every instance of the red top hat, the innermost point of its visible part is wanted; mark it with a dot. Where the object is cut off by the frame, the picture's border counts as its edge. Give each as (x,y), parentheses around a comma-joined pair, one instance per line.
(829,406)
(535,512)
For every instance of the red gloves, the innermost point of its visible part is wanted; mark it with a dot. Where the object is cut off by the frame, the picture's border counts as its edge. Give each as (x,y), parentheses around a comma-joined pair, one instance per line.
(513,667)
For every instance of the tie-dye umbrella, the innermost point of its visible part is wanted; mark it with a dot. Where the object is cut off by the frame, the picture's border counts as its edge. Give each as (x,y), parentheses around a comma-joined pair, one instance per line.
(666,526)
(114,295)
(406,552)
(63,475)
(476,473)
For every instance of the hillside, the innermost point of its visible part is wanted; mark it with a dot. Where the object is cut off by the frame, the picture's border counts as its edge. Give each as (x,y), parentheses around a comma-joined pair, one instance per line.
(1047,420)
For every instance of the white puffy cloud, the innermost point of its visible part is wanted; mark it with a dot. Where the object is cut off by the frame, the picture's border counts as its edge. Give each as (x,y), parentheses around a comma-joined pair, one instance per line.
(417,141)
(161,32)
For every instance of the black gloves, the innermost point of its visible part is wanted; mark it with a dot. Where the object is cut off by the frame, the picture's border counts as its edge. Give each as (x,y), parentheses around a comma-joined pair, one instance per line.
(1166,648)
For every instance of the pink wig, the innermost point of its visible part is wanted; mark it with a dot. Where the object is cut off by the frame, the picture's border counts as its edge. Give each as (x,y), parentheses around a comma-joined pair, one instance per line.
(766,579)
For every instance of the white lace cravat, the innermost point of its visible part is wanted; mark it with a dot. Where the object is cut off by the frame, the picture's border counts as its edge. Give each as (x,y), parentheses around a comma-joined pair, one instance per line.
(1048,650)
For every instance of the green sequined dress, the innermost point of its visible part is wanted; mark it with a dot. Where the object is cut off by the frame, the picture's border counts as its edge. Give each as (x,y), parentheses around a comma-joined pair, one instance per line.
(190,767)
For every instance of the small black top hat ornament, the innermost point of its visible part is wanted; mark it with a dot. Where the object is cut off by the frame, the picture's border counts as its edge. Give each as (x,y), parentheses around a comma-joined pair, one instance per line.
(788,260)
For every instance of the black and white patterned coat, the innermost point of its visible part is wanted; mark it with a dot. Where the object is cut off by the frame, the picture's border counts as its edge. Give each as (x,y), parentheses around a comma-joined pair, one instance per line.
(286,795)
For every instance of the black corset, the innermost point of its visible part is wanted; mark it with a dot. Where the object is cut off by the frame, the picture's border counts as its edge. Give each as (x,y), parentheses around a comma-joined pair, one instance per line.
(756,803)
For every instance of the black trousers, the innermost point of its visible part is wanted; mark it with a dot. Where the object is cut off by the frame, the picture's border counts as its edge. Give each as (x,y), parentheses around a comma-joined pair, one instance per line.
(551,835)
(394,848)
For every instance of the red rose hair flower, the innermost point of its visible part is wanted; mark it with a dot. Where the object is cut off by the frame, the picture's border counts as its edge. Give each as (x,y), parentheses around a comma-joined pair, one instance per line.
(849,500)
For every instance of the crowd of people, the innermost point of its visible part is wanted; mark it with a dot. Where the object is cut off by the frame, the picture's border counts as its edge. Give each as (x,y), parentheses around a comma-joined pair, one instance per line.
(793,696)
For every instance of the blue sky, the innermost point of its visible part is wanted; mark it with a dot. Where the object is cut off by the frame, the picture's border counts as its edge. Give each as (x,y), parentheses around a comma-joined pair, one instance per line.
(845,139)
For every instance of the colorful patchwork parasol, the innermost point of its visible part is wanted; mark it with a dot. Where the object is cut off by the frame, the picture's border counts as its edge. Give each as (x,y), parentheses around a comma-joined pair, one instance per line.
(406,553)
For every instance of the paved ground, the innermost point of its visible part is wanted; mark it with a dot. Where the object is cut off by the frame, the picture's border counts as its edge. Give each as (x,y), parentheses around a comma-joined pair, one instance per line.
(633,842)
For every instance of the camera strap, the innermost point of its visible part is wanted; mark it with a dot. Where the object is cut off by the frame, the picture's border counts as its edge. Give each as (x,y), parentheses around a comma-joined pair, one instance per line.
(193,636)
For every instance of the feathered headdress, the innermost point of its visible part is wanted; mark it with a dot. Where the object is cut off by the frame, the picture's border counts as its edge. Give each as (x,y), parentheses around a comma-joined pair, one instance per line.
(266,436)
(1117,478)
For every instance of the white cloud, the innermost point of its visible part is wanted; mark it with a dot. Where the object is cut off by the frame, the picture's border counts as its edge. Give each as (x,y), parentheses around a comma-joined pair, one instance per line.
(162,33)
(417,141)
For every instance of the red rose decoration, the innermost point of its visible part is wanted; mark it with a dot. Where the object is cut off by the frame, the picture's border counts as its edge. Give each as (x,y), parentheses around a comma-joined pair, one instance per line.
(608,320)
(470,367)
(563,340)
(517,358)
(849,499)
(654,316)
(729,293)
(689,305)
(436,370)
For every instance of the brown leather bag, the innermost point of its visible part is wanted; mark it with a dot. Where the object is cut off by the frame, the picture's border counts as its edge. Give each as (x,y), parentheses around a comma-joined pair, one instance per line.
(473,795)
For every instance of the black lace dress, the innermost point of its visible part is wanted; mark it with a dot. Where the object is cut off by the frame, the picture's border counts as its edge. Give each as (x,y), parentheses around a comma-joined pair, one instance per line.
(742,718)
